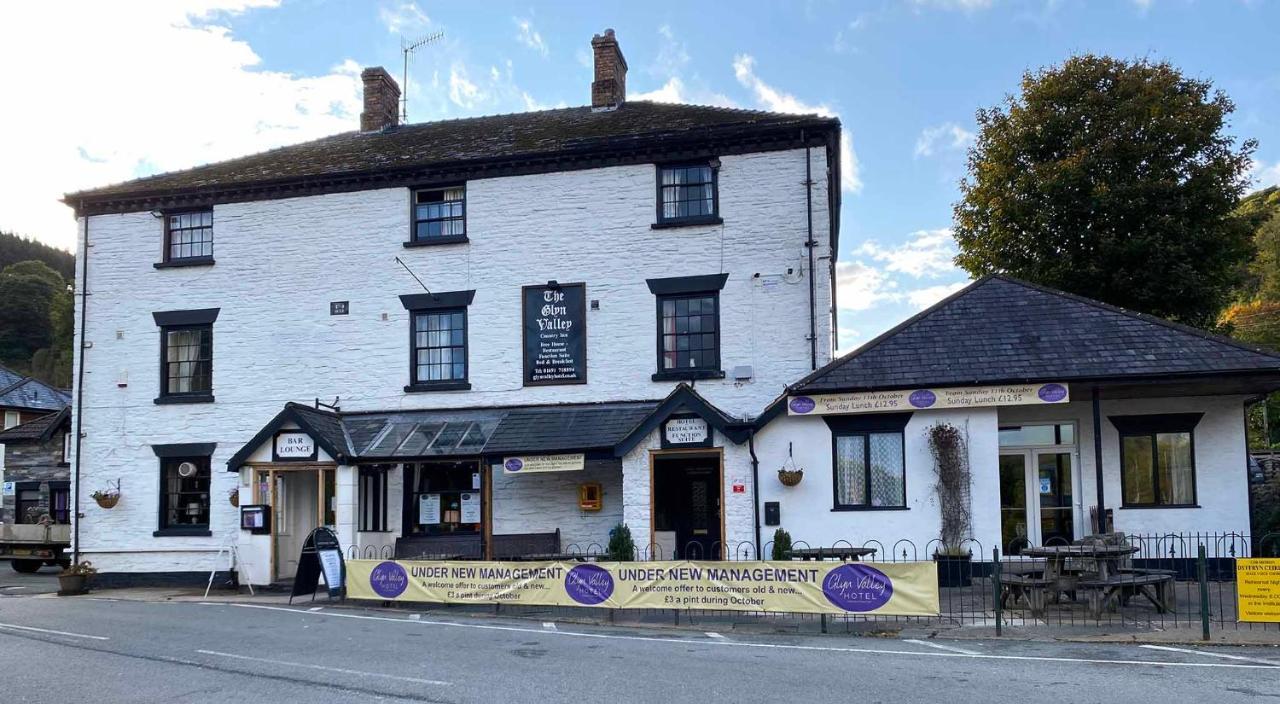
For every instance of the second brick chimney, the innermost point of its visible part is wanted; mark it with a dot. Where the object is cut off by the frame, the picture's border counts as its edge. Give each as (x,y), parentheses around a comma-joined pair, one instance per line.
(609,89)
(381,100)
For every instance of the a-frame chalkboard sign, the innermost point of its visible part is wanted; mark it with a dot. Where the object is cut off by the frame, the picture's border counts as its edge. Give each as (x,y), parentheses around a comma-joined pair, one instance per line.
(320,553)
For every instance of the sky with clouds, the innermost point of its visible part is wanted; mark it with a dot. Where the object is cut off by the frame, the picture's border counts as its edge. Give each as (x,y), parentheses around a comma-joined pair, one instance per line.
(102,92)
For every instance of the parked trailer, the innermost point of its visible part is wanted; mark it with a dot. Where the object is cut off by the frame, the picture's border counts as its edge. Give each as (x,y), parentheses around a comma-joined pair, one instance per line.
(29,546)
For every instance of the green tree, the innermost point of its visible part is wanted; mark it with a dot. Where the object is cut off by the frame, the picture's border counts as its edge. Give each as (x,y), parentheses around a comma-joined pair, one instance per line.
(1111,179)
(36,322)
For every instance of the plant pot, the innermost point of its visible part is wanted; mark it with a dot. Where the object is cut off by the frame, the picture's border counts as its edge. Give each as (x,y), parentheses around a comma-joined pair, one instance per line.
(790,477)
(107,501)
(954,570)
(72,584)
(235,499)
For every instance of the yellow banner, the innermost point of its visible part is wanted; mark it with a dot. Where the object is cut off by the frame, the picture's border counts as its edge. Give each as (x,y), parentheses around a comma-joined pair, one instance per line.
(894,589)
(1258,589)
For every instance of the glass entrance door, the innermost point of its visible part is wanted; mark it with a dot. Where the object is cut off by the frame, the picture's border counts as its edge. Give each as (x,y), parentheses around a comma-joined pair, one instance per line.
(1036,498)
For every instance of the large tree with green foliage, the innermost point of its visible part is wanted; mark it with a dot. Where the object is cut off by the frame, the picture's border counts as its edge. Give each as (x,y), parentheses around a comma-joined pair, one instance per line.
(36,321)
(1112,179)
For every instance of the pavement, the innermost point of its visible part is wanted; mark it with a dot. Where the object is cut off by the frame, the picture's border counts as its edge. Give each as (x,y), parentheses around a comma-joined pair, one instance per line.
(175,646)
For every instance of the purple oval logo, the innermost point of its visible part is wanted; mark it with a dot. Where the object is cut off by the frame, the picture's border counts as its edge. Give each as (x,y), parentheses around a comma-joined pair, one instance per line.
(857,587)
(802,404)
(589,584)
(514,465)
(1052,393)
(922,398)
(389,580)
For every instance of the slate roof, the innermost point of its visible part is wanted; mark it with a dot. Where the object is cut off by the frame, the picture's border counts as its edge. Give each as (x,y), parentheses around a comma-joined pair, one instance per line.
(1002,330)
(39,430)
(406,148)
(17,391)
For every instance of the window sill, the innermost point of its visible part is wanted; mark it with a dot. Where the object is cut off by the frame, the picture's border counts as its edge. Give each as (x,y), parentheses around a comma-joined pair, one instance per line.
(688,375)
(443,386)
(1144,507)
(182,533)
(178,263)
(178,400)
(688,222)
(870,508)
(456,239)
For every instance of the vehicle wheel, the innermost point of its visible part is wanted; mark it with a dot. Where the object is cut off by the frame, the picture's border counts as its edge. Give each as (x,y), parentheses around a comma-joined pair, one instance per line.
(25,566)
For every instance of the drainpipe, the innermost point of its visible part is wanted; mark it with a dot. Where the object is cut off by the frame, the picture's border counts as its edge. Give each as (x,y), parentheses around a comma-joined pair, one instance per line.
(84,305)
(1097,459)
(809,245)
(755,486)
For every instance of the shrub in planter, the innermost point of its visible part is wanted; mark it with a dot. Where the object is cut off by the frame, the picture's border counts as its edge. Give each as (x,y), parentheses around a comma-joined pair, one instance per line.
(950,451)
(781,545)
(621,547)
(75,579)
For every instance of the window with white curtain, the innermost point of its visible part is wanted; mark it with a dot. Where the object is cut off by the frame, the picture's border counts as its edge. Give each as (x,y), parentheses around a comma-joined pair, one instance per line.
(869,470)
(187,361)
(1157,459)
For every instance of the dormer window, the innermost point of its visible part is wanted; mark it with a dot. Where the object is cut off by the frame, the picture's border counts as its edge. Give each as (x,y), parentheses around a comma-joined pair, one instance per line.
(688,194)
(188,238)
(439,216)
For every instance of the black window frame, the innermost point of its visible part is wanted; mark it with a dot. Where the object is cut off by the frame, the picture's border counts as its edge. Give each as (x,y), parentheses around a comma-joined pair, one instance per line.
(168,396)
(438,303)
(713,218)
(164,528)
(167,260)
(375,521)
(836,504)
(1151,426)
(414,220)
(711,371)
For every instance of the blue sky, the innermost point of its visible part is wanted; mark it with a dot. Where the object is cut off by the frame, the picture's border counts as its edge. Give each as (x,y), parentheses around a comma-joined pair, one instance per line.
(905,77)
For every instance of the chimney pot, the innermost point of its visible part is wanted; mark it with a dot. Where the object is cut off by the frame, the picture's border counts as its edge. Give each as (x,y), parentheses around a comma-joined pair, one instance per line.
(609,89)
(381,100)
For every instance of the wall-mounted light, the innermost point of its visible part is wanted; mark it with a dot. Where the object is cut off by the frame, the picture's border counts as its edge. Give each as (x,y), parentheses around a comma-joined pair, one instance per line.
(157,214)
(553,284)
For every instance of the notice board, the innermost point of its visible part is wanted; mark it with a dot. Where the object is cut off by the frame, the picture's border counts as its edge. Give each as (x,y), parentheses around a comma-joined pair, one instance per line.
(1258,589)
(555,334)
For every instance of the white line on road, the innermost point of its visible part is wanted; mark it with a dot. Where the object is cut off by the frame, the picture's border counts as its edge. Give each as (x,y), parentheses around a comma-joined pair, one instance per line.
(315,608)
(549,625)
(339,670)
(939,646)
(52,632)
(1206,653)
(713,634)
(774,646)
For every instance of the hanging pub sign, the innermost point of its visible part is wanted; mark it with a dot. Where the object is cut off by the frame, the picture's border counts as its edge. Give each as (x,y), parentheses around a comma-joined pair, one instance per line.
(555,334)
(685,431)
(293,446)
(921,399)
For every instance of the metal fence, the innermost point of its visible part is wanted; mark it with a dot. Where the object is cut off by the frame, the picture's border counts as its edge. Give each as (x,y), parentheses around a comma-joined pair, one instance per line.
(1167,581)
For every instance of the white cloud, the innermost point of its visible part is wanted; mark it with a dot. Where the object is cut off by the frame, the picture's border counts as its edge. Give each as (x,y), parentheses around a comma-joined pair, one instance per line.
(118,114)
(671,92)
(862,287)
(672,55)
(462,91)
(924,297)
(948,136)
(1264,176)
(529,36)
(775,100)
(403,16)
(841,44)
(925,254)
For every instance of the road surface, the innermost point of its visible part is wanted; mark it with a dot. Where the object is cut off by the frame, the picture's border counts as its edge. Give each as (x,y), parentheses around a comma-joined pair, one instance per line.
(102,651)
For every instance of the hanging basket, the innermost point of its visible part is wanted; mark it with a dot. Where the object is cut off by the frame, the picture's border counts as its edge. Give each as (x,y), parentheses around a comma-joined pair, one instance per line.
(107,501)
(234,497)
(790,477)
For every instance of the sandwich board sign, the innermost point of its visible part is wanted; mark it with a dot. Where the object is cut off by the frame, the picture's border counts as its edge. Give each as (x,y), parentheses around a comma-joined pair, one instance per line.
(321,554)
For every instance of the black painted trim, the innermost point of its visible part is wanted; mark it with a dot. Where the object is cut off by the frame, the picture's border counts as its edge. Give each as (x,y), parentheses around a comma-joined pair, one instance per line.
(865,426)
(268,431)
(688,374)
(687,284)
(439,241)
(181,533)
(842,507)
(450,385)
(1148,426)
(688,222)
(432,301)
(202,316)
(870,422)
(683,400)
(186,449)
(179,263)
(660,221)
(1156,423)
(177,400)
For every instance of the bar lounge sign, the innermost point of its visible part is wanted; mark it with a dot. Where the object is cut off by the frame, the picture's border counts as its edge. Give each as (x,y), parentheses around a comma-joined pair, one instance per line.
(293,445)
(921,399)
(555,334)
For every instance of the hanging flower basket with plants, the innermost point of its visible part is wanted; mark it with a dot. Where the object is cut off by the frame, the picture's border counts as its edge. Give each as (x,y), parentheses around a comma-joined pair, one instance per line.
(234,497)
(790,474)
(109,497)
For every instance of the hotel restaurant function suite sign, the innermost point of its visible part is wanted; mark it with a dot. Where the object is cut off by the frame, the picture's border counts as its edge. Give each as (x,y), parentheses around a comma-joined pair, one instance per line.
(555,334)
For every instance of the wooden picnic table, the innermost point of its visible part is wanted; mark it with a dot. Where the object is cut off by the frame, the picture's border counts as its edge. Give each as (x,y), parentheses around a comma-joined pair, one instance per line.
(1106,557)
(558,557)
(1108,580)
(845,554)
(433,557)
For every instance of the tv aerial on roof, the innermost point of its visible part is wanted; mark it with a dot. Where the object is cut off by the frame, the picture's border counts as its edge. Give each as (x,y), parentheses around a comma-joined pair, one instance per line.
(408,47)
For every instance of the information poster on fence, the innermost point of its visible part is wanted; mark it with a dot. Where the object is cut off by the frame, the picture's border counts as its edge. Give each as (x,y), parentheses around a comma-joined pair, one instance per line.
(894,589)
(1258,589)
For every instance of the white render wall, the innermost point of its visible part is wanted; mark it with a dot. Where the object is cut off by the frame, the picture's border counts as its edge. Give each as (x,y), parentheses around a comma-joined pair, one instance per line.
(280,263)
(1220,457)
(544,501)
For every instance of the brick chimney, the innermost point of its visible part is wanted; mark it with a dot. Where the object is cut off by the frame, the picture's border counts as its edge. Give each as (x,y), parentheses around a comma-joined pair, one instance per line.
(609,89)
(381,100)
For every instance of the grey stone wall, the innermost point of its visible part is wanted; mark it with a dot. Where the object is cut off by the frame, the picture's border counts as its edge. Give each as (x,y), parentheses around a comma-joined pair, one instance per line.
(32,462)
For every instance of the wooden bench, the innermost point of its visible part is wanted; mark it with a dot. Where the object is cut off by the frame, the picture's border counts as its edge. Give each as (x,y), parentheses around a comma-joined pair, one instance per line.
(1031,586)
(1157,588)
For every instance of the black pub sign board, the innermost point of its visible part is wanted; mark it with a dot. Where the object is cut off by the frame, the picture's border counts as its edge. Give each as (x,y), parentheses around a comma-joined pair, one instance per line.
(555,334)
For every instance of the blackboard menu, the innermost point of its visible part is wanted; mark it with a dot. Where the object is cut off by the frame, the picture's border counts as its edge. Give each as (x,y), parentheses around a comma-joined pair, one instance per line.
(555,334)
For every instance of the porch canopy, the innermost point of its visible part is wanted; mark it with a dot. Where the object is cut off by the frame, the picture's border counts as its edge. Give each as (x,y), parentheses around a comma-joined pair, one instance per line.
(1000,331)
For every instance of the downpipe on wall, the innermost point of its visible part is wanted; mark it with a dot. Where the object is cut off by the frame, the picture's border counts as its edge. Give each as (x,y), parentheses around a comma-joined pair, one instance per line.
(809,245)
(84,306)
